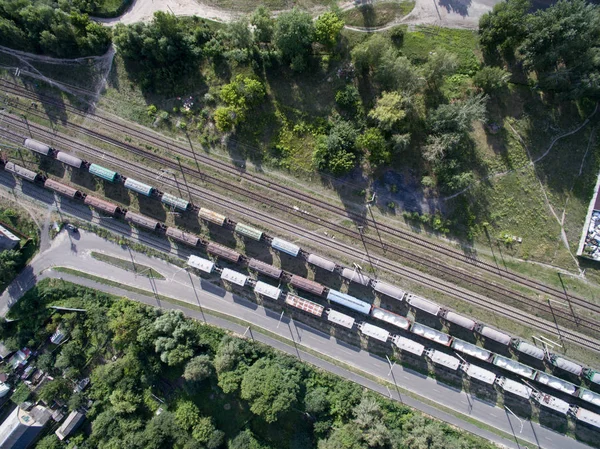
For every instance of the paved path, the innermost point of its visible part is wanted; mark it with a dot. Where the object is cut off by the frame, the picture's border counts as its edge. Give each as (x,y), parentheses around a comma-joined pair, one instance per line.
(74,251)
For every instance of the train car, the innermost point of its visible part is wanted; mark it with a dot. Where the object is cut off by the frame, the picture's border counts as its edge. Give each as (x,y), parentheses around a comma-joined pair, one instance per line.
(589,396)
(493,334)
(423,304)
(102,205)
(66,158)
(139,187)
(223,252)
(304,304)
(67,191)
(264,289)
(459,320)
(340,318)
(389,317)
(513,387)
(374,332)
(213,217)
(234,277)
(36,146)
(307,285)
(264,268)
(201,264)
(24,173)
(529,349)
(431,334)
(408,345)
(142,221)
(551,402)
(583,415)
(443,359)
(389,290)
(104,173)
(476,372)
(183,237)
(471,349)
(285,246)
(175,202)
(321,262)
(555,383)
(248,231)
(349,301)
(566,365)
(591,375)
(356,276)
(513,366)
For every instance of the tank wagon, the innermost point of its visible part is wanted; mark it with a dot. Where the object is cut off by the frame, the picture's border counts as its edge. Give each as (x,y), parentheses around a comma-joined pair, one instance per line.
(566,365)
(143,221)
(248,231)
(223,251)
(139,187)
(67,191)
(389,290)
(374,332)
(265,268)
(102,205)
(513,366)
(24,173)
(408,345)
(104,173)
(349,301)
(264,289)
(513,387)
(37,146)
(285,247)
(423,304)
(201,264)
(555,383)
(183,237)
(213,217)
(391,318)
(175,202)
(307,285)
(321,262)
(68,159)
(234,277)
(471,349)
(443,359)
(493,334)
(457,319)
(340,319)
(304,304)
(529,349)
(476,372)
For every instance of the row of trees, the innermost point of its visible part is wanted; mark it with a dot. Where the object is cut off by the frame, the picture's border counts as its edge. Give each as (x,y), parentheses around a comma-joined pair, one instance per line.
(164,355)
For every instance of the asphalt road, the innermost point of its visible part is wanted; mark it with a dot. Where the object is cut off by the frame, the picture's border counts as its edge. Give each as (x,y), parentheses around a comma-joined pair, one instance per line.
(73,251)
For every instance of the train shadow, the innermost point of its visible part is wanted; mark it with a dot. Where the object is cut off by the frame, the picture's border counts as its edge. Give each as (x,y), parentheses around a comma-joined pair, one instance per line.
(85,179)
(52,167)
(8,180)
(211,288)
(152,207)
(116,192)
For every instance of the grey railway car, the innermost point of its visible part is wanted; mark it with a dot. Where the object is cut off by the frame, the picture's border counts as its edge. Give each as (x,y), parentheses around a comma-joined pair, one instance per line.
(566,365)
(102,205)
(355,276)
(177,203)
(223,251)
(529,349)
(389,290)
(104,173)
(459,320)
(248,231)
(264,268)
(139,187)
(24,173)
(321,262)
(61,188)
(69,160)
(285,246)
(184,237)
(423,304)
(141,220)
(307,285)
(36,146)
(349,301)
(493,334)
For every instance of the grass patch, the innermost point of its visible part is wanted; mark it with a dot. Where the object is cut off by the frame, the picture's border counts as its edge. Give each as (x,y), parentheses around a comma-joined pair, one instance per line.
(111,8)
(274,5)
(128,265)
(377,15)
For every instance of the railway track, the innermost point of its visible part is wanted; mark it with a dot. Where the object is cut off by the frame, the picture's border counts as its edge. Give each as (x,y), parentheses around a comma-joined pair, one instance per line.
(346,250)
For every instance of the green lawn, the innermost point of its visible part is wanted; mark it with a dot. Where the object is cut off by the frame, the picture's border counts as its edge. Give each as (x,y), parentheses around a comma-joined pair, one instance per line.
(377,15)
(111,8)
(274,5)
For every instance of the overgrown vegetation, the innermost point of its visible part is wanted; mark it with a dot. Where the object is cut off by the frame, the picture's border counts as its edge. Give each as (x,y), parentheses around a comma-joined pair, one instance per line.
(213,390)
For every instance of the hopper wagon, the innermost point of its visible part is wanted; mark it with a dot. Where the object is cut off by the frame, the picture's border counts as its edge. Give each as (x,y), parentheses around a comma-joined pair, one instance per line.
(321,262)
(24,173)
(391,318)
(307,285)
(443,359)
(528,349)
(37,146)
(234,277)
(223,252)
(423,304)
(457,319)
(389,290)
(340,319)
(102,205)
(566,365)
(408,345)
(374,332)
(264,289)
(285,246)
(304,304)
(183,237)
(142,220)
(175,202)
(248,231)
(201,264)
(351,302)
(104,173)
(471,349)
(68,159)
(513,387)
(211,216)
(493,334)
(431,334)
(513,366)
(67,191)
(591,375)
(264,268)
(476,372)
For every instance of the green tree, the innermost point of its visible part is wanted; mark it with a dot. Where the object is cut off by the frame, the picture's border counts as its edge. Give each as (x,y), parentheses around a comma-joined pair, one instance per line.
(227,117)
(336,152)
(243,92)
(245,440)
(203,429)
(270,388)
(327,28)
(490,79)
(368,54)
(263,24)
(9,261)
(187,415)
(388,112)
(198,369)
(440,64)
(504,28)
(374,144)
(347,436)
(49,442)
(294,34)
(348,99)
(396,72)
(458,116)
(124,402)
(57,389)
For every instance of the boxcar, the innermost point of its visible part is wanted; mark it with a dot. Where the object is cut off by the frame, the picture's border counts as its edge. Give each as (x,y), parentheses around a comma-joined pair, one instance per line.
(142,220)
(349,301)
(583,415)
(264,268)
(102,205)
(307,285)
(36,146)
(374,332)
(61,188)
(389,290)
(443,359)
(69,160)
(104,173)
(213,217)
(545,400)
(201,264)
(304,304)
(234,277)
(248,231)
(223,251)
(184,237)
(355,276)
(321,262)
(177,203)
(268,290)
(340,318)
(139,187)
(408,345)
(29,175)
(476,372)
(285,246)
(513,387)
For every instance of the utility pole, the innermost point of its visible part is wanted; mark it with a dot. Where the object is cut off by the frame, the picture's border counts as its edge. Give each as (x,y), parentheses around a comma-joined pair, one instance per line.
(512,413)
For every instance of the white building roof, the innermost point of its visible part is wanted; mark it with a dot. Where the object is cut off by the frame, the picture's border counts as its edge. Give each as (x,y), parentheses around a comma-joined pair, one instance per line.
(430,334)
(408,345)
(374,332)
(234,277)
(556,383)
(443,359)
(201,264)
(267,290)
(340,318)
(389,317)
(476,372)
(515,387)
(514,366)
(471,349)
